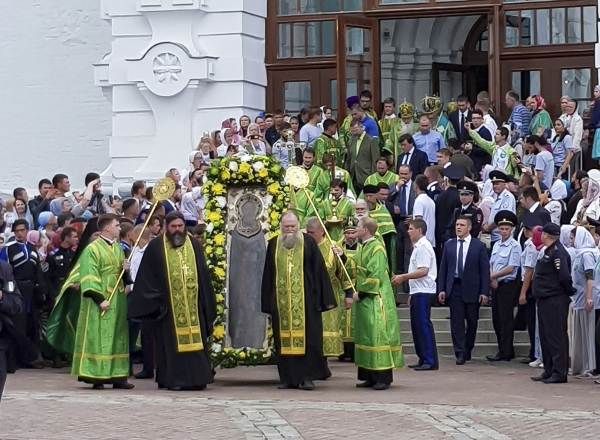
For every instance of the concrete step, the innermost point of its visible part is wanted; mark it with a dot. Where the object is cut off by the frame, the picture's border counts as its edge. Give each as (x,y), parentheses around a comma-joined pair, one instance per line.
(483,337)
(486,338)
(480,350)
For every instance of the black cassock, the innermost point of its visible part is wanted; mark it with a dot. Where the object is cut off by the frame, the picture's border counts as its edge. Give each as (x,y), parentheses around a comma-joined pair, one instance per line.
(318,294)
(150,302)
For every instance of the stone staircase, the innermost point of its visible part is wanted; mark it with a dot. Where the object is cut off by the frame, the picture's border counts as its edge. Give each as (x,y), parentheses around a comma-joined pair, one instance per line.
(486,338)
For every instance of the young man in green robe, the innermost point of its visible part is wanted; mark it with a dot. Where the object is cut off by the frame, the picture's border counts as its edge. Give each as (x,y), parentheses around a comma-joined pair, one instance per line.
(383,174)
(385,225)
(341,174)
(378,347)
(319,178)
(336,210)
(389,119)
(102,338)
(333,345)
(299,199)
(327,144)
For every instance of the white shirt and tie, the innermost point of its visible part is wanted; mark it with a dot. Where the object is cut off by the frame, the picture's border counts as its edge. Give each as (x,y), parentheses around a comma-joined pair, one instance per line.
(462,118)
(406,158)
(465,249)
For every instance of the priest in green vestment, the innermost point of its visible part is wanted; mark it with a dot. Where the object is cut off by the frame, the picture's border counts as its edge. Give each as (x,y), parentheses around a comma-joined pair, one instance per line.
(336,210)
(332,338)
(101,354)
(350,245)
(320,180)
(385,225)
(383,174)
(327,144)
(378,347)
(296,290)
(433,107)
(173,292)
(389,118)
(62,322)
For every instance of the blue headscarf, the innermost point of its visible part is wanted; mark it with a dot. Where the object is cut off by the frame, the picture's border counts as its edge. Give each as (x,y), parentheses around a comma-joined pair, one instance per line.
(56,206)
(43,219)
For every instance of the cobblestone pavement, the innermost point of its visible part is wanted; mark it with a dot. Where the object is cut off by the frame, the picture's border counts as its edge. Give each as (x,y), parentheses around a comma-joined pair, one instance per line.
(477,401)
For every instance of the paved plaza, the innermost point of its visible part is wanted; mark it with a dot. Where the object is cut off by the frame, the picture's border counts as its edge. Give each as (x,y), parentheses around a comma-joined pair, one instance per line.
(476,401)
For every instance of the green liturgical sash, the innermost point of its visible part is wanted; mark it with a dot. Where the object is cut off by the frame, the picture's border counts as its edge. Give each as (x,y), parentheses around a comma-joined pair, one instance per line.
(183,287)
(289,276)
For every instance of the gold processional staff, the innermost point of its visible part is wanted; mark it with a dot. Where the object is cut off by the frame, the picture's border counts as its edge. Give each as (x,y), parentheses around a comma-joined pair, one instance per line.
(297,177)
(163,189)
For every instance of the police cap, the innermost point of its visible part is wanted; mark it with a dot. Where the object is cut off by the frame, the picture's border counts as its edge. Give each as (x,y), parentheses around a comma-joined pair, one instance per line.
(466,187)
(551,229)
(506,217)
(498,176)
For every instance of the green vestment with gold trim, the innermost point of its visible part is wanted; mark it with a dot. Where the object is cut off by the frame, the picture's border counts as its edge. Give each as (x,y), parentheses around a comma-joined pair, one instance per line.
(343,211)
(347,321)
(377,339)
(387,230)
(101,342)
(332,339)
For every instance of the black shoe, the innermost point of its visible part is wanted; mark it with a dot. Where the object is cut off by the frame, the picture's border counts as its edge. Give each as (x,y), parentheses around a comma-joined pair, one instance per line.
(381,386)
(542,377)
(460,360)
(468,357)
(555,379)
(414,365)
(526,360)
(365,384)
(497,358)
(123,386)
(195,388)
(98,386)
(424,367)
(307,385)
(144,375)
(286,386)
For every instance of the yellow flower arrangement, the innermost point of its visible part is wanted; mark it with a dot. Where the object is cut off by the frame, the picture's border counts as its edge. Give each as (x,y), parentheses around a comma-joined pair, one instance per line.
(223,173)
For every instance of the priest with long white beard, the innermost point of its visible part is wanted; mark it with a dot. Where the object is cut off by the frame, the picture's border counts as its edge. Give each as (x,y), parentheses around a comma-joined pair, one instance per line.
(295,291)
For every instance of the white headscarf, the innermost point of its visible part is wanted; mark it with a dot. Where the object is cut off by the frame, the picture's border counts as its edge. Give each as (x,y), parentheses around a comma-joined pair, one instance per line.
(558,190)
(584,242)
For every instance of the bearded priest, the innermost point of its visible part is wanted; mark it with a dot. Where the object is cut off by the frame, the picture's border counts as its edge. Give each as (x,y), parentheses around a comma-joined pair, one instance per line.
(173,293)
(295,291)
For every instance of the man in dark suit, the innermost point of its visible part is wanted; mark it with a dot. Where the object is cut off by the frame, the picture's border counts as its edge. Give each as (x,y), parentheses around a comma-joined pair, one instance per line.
(417,159)
(479,156)
(11,304)
(530,201)
(402,196)
(464,284)
(458,118)
(362,155)
(446,203)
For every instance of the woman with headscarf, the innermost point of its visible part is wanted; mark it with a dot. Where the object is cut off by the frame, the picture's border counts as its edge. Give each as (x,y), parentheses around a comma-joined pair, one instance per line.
(562,148)
(16,209)
(541,123)
(194,161)
(62,323)
(231,124)
(56,206)
(227,140)
(47,222)
(595,124)
(252,142)
(555,204)
(588,206)
(244,124)
(583,322)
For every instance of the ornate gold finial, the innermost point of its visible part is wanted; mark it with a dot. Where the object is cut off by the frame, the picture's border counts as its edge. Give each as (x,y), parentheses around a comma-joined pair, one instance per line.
(163,189)
(431,104)
(297,177)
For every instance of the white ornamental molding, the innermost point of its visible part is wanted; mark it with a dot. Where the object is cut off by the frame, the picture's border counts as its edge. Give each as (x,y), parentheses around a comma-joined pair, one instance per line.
(168,5)
(166,69)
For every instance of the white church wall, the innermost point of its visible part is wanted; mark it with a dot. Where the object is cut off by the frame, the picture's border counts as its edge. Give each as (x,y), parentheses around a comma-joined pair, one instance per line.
(52,118)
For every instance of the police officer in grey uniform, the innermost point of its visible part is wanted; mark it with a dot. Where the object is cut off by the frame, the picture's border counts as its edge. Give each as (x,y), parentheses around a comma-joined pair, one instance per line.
(505,262)
(552,289)
(467,191)
(503,201)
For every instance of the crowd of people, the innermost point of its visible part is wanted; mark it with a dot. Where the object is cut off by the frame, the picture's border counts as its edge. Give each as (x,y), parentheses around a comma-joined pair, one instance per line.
(451,205)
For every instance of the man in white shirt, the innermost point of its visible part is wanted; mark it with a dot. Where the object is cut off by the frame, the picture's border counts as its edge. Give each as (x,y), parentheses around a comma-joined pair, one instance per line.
(424,207)
(421,276)
(192,202)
